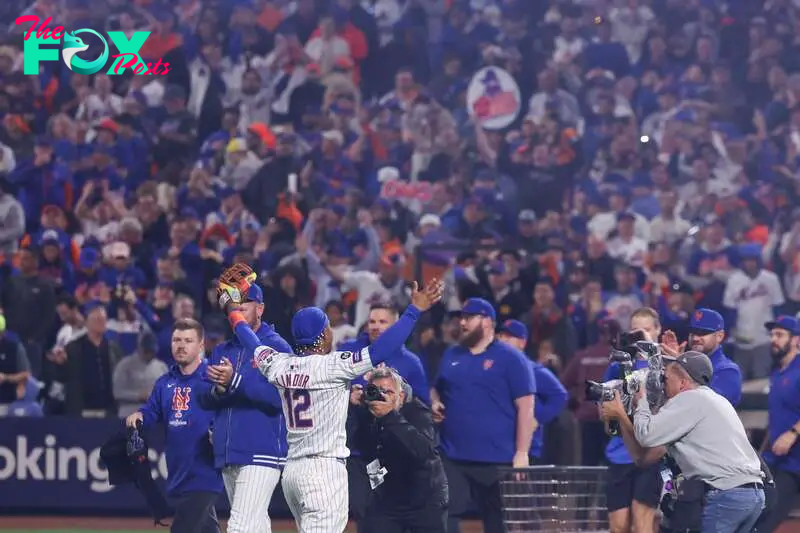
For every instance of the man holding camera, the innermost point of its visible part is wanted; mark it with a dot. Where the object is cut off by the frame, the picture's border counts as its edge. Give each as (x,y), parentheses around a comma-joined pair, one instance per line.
(632,492)
(394,430)
(722,489)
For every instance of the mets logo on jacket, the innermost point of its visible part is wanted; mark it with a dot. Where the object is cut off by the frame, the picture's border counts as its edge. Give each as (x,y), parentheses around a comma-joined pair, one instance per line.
(181,403)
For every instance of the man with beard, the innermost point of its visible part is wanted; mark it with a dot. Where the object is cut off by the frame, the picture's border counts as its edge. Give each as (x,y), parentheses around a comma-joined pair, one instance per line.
(782,452)
(483,396)
(706,333)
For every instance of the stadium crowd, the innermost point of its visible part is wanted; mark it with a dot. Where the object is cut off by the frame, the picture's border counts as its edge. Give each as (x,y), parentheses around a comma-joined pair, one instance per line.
(652,160)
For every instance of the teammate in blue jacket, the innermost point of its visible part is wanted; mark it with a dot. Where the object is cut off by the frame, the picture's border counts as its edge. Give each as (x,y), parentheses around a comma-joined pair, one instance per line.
(408,365)
(484,399)
(194,483)
(782,453)
(249,429)
(551,396)
(405,362)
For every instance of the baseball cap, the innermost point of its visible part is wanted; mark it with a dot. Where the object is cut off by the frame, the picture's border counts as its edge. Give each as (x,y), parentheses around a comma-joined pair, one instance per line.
(705,321)
(696,364)
(527,215)
(308,325)
(478,307)
(789,323)
(514,328)
(255,294)
(148,342)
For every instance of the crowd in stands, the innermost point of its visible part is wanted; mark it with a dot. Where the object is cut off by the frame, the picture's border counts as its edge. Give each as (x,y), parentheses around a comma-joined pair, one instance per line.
(654,161)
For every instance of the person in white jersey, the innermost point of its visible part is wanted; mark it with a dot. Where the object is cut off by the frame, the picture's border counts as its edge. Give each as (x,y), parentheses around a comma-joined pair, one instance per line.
(315,390)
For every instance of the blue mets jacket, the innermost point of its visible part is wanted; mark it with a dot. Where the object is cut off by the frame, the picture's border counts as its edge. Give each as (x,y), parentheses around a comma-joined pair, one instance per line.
(190,459)
(249,428)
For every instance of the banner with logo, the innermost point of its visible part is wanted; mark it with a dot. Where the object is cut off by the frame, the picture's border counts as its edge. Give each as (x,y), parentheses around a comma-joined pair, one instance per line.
(52,465)
(493,98)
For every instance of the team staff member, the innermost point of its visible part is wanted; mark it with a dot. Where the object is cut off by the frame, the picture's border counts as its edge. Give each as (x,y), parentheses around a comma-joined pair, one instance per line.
(484,399)
(249,429)
(783,452)
(551,396)
(409,366)
(702,432)
(398,432)
(193,483)
(706,333)
(632,492)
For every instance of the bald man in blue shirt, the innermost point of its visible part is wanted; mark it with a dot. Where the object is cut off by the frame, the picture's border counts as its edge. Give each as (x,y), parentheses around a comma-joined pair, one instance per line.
(484,399)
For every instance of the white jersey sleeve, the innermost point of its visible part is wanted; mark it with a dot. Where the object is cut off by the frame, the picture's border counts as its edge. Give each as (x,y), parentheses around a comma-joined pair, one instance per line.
(270,362)
(347,366)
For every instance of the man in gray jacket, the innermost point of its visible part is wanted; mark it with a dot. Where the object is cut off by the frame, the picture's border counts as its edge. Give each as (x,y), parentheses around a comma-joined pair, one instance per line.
(701,431)
(12,219)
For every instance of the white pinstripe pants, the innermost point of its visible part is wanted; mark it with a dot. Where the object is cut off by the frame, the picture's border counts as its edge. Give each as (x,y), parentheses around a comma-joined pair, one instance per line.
(250,490)
(316,491)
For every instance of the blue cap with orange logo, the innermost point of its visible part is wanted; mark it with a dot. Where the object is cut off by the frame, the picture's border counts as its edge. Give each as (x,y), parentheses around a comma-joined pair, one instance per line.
(789,323)
(514,328)
(705,321)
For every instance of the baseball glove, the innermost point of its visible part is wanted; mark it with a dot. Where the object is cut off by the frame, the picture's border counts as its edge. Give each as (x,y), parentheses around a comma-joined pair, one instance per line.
(233,285)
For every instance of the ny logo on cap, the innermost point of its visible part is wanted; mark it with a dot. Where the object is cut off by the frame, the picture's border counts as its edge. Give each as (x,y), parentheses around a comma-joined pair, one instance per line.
(698,315)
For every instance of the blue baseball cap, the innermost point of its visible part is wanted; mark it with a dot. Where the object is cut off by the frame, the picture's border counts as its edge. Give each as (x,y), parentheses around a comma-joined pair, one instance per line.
(308,324)
(478,307)
(705,321)
(789,323)
(255,294)
(515,329)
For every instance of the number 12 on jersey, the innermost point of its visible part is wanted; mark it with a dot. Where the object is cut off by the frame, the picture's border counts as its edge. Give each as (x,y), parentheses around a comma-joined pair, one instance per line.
(298,402)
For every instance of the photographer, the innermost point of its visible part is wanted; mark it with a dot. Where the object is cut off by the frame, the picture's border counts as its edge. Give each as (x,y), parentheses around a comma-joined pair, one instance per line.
(722,488)
(632,492)
(395,433)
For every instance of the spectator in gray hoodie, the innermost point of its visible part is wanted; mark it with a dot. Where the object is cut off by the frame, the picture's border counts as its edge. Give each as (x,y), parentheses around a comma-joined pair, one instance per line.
(12,219)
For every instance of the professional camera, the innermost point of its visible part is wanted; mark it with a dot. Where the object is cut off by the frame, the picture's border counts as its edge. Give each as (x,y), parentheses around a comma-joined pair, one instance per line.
(373,394)
(629,348)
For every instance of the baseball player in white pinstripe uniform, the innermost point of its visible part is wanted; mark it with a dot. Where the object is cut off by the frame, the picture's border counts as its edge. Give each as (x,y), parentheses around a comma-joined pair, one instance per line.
(315,392)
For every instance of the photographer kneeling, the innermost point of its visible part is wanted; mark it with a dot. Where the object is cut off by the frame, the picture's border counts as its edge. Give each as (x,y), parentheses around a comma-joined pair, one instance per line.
(396,435)
(722,488)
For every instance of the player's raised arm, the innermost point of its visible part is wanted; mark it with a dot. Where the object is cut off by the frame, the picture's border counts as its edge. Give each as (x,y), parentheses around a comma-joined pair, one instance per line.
(233,283)
(396,336)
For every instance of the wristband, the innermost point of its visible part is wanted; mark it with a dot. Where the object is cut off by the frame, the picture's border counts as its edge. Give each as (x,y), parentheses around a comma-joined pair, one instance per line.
(236,317)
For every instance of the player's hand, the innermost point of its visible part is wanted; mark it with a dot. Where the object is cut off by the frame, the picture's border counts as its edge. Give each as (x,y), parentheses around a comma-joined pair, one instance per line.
(221,374)
(437,411)
(613,409)
(356,393)
(134,419)
(380,408)
(784,443)
(520,460)
(429,296)
(669,344)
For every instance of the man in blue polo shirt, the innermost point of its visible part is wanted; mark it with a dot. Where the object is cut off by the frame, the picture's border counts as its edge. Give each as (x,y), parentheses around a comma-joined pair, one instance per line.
(551,396)
(783,453)
(484,399)
(706,333)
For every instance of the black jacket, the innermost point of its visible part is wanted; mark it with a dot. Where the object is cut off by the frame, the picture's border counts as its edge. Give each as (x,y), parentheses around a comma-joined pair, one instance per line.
(404,443)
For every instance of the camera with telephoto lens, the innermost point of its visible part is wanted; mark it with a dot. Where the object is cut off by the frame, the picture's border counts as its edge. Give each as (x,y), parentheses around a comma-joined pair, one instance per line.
(373,394)
(630,347)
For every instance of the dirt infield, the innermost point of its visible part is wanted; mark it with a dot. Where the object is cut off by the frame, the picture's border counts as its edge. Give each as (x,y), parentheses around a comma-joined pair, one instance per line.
(30,523)
(131,524)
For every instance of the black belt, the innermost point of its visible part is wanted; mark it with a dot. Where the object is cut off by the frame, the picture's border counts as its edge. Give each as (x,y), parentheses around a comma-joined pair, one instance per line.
(753,485)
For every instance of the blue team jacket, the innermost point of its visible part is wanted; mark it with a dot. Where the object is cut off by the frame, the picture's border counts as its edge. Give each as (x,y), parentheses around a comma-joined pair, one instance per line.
(190,458)
(407,364)
(249,428)
(551,400)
